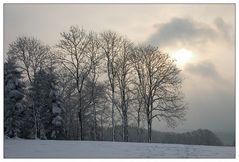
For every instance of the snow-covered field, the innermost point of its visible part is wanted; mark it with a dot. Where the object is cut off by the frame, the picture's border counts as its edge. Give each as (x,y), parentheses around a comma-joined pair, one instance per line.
(89,149)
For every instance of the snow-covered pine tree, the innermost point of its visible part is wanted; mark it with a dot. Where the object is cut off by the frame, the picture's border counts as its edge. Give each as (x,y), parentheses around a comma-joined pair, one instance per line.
(13,97)
(41,103)
(48,109)
(58,111)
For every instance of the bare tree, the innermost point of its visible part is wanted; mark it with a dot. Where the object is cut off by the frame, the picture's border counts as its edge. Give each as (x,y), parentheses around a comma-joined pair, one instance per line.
(30,53)
(95,58)
(68,91)
(159,85)
(73,46)
(103,118)
(138,110)
(110,47)
(123,79)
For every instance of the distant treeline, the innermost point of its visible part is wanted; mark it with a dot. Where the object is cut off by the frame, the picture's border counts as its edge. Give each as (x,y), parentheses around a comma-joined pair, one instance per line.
(197,137)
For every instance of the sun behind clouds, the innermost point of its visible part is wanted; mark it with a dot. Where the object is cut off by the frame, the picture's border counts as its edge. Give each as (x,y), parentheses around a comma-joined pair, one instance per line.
(182,56)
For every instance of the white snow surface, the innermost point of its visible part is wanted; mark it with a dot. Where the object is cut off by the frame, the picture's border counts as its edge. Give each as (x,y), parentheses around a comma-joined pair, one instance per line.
(19,148)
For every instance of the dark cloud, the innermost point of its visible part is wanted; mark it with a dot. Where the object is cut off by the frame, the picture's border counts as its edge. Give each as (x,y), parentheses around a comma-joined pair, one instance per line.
(204,69)
(182,30)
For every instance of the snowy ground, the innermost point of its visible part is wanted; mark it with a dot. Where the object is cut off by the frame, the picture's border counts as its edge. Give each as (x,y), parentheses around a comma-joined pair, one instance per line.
(89,149)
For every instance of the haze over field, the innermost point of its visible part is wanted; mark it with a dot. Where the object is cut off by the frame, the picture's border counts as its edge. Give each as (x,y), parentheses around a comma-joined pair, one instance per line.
(200,37)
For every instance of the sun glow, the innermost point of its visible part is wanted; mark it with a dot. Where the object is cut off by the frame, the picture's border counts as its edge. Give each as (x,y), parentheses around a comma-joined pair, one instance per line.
(182,56)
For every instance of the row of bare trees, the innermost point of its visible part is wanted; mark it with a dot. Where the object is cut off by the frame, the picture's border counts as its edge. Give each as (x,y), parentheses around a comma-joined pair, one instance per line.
(106,80)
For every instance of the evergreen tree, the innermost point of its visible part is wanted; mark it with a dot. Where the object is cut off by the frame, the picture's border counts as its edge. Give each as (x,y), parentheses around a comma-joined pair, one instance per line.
(57,109)
(41,103)
(48,110)
(27,131)
(13,97)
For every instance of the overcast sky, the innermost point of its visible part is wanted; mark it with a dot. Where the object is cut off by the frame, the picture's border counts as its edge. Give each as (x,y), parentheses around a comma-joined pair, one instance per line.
(207,31)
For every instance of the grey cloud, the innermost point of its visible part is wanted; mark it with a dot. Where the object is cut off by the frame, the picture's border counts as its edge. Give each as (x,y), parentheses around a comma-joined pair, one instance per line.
(223,27)
(204,69)
(182,30)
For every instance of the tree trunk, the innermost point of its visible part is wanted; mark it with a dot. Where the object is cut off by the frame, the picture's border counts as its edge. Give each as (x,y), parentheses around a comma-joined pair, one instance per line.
(95,123)
(125,127)
(94,109)
(35,120)
(138,126)
(149,132)
(81,125)
(149,127)
(80,113)
(113,120)
(102,129)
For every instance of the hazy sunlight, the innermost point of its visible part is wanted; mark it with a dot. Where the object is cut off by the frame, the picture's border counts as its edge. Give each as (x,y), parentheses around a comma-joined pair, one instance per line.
(182,56)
